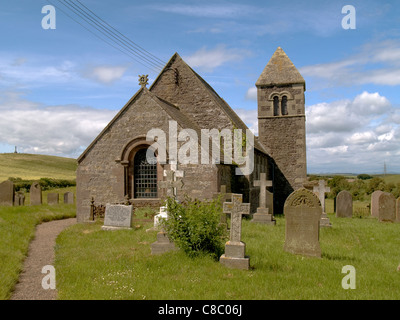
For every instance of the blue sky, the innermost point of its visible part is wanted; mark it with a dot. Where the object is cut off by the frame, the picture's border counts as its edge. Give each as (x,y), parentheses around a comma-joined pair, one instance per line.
(59,88)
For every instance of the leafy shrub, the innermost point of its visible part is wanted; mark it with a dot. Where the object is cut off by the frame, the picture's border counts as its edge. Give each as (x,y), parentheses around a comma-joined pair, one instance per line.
(194,226)
(364,176)
(45,183)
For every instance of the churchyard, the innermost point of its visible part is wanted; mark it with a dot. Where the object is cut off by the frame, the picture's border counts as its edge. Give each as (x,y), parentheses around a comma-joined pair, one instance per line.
(119,264)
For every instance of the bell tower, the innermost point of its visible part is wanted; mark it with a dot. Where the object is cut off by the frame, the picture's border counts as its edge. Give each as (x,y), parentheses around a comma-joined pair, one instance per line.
(281,124)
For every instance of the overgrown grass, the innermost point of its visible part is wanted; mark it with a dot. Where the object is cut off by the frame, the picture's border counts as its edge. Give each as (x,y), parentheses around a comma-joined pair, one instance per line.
(119,265)
(35,166)
(17,229)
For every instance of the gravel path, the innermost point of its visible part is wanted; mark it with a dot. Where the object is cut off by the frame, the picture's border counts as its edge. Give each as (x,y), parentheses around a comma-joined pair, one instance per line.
(40,254)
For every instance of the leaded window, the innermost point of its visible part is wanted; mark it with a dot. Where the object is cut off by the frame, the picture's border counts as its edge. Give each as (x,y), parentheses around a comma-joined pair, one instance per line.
(145,175)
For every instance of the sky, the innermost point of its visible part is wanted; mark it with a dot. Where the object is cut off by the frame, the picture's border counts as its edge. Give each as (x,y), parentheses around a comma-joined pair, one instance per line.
(60,86)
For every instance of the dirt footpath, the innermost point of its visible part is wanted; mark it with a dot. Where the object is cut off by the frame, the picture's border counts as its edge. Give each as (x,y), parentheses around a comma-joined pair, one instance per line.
(40,254)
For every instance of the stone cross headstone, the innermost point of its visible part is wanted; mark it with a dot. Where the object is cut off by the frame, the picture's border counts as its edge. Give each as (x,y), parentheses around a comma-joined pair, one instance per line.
(387,207)
(234,256)
(118,216)
(320,190)
(7,193)
(69,198)
(223,197)
(375,203)
(35,194)
(344,204)
(302,211)
(262,215)
(172,184)
(53,198)
(19,198)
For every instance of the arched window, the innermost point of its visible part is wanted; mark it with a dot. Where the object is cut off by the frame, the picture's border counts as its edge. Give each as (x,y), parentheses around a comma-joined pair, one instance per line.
(276,106)
(284,106)
(144,175)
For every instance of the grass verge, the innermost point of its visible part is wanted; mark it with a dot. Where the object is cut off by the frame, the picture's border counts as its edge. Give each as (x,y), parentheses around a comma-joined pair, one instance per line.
(17,229)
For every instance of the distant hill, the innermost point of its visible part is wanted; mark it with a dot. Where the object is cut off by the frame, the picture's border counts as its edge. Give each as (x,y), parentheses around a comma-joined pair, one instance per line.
(35,166)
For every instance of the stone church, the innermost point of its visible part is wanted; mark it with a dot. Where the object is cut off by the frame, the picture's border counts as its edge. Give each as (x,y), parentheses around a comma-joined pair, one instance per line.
(114,167)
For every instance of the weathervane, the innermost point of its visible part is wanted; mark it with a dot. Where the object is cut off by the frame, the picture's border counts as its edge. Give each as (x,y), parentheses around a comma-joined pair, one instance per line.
(144,80)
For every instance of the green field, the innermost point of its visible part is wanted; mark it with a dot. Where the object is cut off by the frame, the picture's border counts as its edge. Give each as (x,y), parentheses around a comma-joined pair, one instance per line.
(33,167)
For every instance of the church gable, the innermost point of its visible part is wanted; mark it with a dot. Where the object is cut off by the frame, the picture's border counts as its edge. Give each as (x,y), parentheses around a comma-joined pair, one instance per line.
(142,113)
(180,85)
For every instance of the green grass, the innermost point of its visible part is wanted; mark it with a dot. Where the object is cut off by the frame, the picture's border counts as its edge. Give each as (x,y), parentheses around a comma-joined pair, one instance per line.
(119,265)
(17,229)
(33,166)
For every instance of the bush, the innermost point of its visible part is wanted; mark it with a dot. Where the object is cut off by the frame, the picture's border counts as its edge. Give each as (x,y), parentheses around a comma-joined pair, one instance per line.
(45,183)
(194,226)
(364,176)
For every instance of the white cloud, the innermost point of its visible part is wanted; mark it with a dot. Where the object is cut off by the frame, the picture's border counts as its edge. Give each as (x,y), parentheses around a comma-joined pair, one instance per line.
(105,74)
(353,135)
(208,60)
(376,63)
(207,10)
(251,94)
(249,117)
(57,130)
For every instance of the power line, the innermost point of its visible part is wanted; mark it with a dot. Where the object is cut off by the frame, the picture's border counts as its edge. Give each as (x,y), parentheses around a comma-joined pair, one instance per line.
(136,45)
(110,34)
(138,54)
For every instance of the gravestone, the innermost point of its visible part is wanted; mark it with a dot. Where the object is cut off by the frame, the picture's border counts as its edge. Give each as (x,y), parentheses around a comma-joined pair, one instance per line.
(172,184)
(320,191)
(270,202)
(344,204)
(375,203)
(223,197)
(35,193)
(387,207)
(52,198)
(118,216)
(234,256)
(162,215)
(302,211)
(19,198)
(69,198)
(398,210)
(262,215)
(7,193)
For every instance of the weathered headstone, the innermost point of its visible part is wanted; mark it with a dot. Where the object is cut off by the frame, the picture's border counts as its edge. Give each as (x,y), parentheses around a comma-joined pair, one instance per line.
(172,184)
(302,211)
(19,198)
(162,215)
(344,204)
(118,216)
(375,203)
(53,198)
(262,215)
(398,210)
(35,194)
(387,207)
(7,193)
(234,256)
(69,198)
(320,191)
